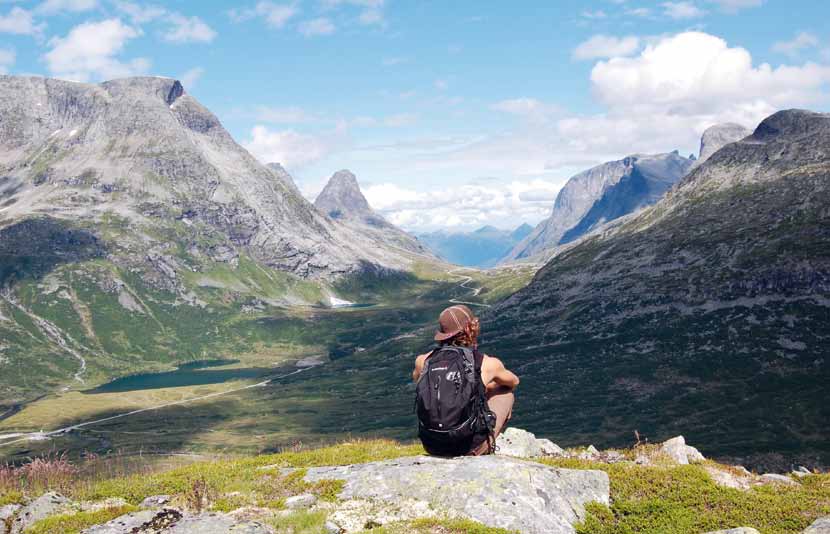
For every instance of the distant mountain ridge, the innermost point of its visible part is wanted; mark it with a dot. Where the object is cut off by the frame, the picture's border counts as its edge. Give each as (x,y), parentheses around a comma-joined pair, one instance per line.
(480,248)
(601,194)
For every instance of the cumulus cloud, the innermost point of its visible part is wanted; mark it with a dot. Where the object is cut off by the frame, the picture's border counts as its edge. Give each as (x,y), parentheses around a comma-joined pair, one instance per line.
(792,48)
(19,21)
(465,206)
(275,15)
(291,148)
(603,46)
(696,73)
(318,26)
(188,30)
(89,51)
(7,59)
(50,7)
(682,10)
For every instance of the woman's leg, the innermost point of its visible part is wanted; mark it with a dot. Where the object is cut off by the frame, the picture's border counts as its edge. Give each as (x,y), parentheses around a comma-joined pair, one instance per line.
(500,401)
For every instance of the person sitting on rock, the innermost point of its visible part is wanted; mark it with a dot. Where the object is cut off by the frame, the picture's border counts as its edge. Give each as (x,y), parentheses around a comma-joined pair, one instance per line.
(463,397)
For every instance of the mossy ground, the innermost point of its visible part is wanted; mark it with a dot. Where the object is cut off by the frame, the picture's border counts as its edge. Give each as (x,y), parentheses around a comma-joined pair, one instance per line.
(645,499)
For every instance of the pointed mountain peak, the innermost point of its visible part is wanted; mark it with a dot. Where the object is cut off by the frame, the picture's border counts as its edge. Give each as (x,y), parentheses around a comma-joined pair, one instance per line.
(342,198)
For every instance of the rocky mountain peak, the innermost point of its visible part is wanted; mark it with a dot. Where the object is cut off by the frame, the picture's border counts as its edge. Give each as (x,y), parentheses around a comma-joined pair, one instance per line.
(792,123)
(342,198)
(716,137)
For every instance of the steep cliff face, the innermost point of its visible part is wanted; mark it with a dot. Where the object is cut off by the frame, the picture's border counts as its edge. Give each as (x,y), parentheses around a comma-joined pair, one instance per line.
(708,309)
(717,136)
(145,149)
(601,194)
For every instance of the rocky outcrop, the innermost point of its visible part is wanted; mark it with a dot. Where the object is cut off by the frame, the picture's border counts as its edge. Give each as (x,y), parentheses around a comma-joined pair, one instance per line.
(602,194)
(41,508)
(716,137)
(495,491)
(172,521)
(819,526)
(681,453)
(7,512)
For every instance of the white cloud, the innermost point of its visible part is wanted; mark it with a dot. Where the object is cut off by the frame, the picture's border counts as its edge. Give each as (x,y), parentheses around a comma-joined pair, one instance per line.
(285,115)
(529,108)
(89,52)
(188,30)
(7,59)
(695,73)
(441,85)
(598,14)
(602,46)
(733,6)
(140,14)
(400,119)
(795,45)
(19,21)
(291,148)
(466,206)
(639,12)
(682,10)
(190,77)
(318,26)
(50,7)
(275,15)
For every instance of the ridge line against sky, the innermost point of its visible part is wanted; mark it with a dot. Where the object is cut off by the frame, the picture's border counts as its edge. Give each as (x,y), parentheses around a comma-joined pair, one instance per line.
(452,115)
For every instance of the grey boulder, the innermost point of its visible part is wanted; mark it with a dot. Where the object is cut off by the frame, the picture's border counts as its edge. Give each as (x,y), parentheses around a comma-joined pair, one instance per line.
(518,443)
(683,454)
(496,491)
(41,508)
(819,526)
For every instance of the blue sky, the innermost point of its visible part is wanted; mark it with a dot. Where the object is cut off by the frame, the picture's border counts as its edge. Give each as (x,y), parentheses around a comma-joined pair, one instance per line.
(452,114)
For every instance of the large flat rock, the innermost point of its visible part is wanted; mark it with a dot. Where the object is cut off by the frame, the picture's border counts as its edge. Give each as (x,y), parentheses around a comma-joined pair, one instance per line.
(496,491)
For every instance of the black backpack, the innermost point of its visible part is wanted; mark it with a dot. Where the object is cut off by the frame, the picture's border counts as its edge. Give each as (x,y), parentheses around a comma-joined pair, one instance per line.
(451,402)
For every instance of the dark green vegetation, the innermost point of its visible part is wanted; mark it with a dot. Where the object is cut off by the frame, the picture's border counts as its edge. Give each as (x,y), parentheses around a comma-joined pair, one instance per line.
(674,500)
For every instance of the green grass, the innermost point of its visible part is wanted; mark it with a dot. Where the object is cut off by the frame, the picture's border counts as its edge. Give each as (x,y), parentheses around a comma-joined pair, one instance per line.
(684,499)
(75,523)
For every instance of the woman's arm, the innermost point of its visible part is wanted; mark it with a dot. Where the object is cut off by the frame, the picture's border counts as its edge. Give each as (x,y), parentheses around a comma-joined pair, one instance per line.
(501,377)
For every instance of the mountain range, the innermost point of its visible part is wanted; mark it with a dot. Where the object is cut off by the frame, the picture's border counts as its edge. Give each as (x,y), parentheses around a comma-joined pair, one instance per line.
(706,311)
(615,189)
(134,231)
(480,248)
